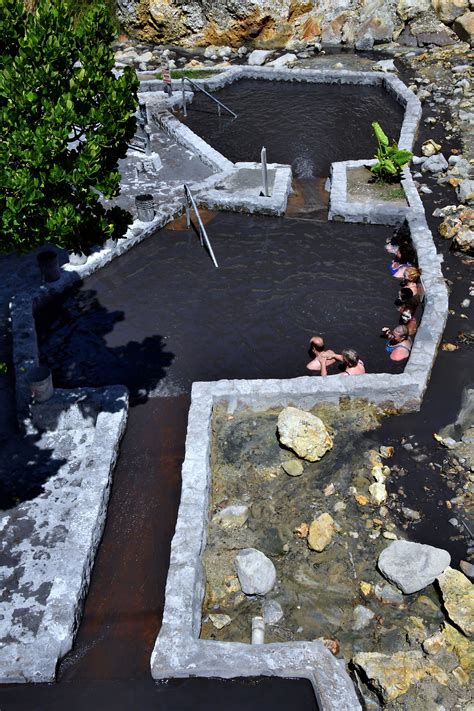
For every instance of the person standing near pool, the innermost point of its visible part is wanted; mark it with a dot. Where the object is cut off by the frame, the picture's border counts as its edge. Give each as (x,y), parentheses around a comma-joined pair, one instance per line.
(399,342)
(316,349)
(349,358)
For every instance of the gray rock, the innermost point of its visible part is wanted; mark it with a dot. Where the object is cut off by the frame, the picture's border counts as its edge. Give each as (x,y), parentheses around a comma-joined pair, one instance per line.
(411,514)
(293,467)
(363,616)
(412,566)
(467,569)
(465,191)
(259,56)
(385,65)
(435,164)
(232,516)
(387,593)
(286,60)
(272,612)
(257,574)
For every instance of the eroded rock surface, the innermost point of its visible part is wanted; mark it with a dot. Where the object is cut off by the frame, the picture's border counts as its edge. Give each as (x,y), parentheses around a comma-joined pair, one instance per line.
(304,433)
(458,598)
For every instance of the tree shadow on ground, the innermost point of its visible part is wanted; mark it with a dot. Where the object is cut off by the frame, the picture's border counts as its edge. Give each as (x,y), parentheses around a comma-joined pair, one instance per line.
(24,469)
(75,343)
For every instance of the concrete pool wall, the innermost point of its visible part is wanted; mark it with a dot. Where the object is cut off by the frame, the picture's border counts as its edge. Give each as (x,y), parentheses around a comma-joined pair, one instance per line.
(178,652)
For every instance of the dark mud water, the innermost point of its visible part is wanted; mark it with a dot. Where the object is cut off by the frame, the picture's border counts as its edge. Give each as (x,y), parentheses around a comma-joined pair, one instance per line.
(129,684)
(308,126)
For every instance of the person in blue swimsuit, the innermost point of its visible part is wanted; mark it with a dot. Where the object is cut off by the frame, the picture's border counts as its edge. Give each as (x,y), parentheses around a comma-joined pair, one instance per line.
(399,342)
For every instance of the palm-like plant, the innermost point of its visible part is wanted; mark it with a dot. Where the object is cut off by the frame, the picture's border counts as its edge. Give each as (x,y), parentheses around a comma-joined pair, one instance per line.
(391,159)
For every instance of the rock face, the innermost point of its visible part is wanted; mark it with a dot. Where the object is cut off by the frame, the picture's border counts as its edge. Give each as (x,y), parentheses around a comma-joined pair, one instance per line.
(458,599)
(303,433)
(321,532)
(392,676)
(257,574)
(412,566)
(290,23)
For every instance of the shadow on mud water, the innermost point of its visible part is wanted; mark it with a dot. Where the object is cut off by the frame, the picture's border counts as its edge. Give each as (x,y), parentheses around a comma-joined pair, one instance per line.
(109,665)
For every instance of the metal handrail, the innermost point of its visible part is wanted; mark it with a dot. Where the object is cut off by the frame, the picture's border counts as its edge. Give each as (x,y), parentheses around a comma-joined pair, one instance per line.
(196,86)
(202,230)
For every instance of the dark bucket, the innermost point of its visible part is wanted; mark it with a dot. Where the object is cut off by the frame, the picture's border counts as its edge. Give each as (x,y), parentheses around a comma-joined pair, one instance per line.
(145,205)
(48,264)
(41,383)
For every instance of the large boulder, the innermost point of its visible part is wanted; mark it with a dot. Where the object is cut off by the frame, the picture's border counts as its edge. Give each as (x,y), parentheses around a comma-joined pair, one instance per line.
(464,27)
(412,566)
(448,10)
(392,676)
(259,57)
(458,599)
(304,433)
(257,574)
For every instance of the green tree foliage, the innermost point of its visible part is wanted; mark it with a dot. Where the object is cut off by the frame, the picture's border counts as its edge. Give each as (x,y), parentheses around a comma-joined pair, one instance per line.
(65,120)
(390,158)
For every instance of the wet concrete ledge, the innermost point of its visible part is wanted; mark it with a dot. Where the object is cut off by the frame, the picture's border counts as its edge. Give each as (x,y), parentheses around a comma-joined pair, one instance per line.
(49,543)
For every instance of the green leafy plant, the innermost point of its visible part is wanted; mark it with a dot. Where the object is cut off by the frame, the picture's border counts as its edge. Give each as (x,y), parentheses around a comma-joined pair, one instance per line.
(65,121)
(3,367)
(391,159)
(191,73)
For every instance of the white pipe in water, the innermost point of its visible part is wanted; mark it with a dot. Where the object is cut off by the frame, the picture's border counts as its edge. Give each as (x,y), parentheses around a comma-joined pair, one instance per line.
(258,630)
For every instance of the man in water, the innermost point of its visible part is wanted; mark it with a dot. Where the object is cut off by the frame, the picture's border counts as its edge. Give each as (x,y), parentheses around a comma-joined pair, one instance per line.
(316,348)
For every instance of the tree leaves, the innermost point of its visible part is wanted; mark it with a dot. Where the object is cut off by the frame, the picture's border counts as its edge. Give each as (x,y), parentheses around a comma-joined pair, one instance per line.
(390,158)
(65,121)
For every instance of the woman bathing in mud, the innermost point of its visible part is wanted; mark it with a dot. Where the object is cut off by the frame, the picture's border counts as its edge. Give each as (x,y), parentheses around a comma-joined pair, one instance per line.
(349,358)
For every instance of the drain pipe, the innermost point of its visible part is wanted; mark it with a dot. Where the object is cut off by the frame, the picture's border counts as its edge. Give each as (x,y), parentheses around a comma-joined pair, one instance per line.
(264,171)
(258,630)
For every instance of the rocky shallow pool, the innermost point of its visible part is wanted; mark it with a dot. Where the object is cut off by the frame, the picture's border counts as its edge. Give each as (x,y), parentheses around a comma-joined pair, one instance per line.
(336,593)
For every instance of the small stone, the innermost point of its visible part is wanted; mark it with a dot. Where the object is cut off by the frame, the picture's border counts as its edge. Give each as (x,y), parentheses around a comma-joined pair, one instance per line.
(232,516)
(321,532)
(378,473)
(458,599)
(411,514)
(392,676)
(385,65)
(272,612)
(329,489)
(362,616)
(366,588)
(449,347)
(465,303)
(304,433)
(467,569)
(293,467)
(386,452)
(430,147)
(257,574)
(220,621)
(362,500)
(434,644)
(412,566)
(435,164)
(339,506)
(302,530)
(460,675)
(378,493)
(416,630)
(331,644)
(465,190)
(387,593)
(232,583)
(390,536)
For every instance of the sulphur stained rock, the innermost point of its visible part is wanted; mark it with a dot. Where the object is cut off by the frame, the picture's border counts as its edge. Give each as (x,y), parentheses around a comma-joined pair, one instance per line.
(303,433)
(378,493)
(257,574)
(220,621)
(412,566)
(458,599)
(449,10)
(233,516)
(449,227)
(430,147)
(392,676)
(464,240)
(461,646)
(321,532)
(293,467)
